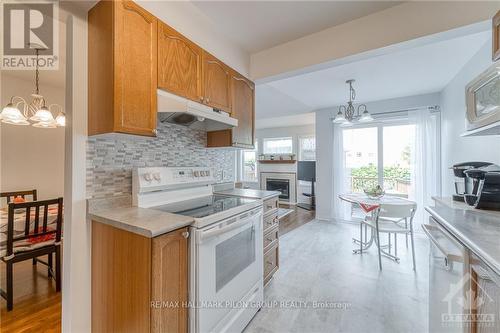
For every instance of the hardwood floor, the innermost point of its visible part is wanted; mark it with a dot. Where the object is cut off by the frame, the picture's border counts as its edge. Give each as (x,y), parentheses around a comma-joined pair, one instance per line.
(298,217)
(37,305)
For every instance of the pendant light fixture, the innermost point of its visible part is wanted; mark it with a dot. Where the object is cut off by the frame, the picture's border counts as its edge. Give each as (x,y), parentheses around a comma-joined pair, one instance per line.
(40,114)
(348,114)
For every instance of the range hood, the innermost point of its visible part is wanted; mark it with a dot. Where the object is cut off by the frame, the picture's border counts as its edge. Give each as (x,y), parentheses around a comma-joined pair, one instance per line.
(181,111)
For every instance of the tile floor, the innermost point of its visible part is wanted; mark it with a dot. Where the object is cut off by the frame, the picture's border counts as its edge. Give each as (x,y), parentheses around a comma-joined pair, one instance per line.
(317,265)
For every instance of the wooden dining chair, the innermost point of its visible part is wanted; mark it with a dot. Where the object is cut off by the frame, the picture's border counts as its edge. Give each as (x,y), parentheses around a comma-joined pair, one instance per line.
(11,195)
(40,235)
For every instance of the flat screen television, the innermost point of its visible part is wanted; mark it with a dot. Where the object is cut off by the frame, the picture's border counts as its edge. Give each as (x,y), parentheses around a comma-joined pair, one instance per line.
(306,171)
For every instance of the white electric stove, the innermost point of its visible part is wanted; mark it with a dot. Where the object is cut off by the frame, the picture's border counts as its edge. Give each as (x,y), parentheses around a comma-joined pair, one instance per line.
(226,251)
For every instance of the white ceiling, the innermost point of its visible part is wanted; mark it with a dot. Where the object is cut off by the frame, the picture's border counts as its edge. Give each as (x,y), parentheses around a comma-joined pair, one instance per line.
(258,25)
(415,71)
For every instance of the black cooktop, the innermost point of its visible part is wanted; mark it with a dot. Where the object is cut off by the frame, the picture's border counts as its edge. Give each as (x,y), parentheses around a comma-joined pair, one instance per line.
(204,206)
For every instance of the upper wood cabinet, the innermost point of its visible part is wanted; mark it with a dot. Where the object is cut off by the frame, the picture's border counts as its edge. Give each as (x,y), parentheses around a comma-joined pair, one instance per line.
(179,64)
(243,96)
(122,69)
(243,109)
(216,83)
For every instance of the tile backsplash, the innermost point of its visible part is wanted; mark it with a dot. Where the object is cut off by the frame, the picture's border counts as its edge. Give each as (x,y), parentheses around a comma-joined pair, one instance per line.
(111,157)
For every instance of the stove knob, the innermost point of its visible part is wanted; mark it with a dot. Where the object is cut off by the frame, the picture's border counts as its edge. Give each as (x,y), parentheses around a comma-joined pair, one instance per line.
(157,176)
(196,173)
(147,176)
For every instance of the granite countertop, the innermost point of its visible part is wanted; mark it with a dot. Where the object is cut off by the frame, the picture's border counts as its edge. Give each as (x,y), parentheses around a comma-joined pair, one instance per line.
(248,193)
(478,230)
(119,213)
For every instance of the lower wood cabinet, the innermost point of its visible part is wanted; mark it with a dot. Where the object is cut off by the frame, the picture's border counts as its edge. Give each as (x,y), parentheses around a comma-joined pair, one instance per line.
(139,284)
(271,238)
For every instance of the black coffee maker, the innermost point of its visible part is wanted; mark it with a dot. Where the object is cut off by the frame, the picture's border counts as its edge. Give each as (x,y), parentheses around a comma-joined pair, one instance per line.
(485,187)
(464,185)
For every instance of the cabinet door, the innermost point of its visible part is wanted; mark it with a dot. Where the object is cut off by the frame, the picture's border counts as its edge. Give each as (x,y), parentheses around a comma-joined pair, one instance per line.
(243,93)
(179,64)
(135,77)
(484,298)
(217,83)
(170,282)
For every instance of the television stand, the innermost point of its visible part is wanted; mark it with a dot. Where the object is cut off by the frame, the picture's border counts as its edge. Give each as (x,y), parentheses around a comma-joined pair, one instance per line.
(312,205)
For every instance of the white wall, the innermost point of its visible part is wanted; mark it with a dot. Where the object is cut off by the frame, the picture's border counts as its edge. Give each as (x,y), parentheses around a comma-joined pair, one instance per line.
(324,144)
(295,132)
(455,148)
(32,158)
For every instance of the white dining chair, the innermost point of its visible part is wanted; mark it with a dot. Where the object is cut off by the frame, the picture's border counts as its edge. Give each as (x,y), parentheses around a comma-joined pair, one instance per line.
(389,219)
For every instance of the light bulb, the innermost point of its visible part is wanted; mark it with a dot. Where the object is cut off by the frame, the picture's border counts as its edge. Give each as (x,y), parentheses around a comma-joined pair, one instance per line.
(61,120)
(43,115)
(12,115)
(365,117)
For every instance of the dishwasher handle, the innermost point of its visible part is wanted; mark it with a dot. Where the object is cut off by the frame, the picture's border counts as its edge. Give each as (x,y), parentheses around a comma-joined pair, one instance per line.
(448,257)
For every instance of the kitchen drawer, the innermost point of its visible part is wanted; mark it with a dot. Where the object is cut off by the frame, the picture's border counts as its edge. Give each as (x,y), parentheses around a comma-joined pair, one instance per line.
(271,238)
(271,263)
(270,221)
(270,204)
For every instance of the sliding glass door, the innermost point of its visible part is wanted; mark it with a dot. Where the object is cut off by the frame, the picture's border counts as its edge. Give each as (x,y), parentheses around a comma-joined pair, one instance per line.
(361,158)
(379,155)
(400,154)
(398,141)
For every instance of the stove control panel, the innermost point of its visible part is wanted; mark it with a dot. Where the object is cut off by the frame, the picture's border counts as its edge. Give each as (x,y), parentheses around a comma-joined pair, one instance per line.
(151,179)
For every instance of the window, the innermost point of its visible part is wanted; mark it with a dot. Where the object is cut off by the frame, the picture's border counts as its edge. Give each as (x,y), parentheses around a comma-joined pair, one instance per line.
(277,146)
(307,148)
(249,165)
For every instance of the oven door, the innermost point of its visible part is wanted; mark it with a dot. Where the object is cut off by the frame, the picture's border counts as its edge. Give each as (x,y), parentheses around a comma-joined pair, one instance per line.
(228,266)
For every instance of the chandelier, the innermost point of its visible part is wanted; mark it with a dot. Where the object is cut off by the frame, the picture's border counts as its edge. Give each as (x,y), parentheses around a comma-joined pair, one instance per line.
(348,114)
(37,111)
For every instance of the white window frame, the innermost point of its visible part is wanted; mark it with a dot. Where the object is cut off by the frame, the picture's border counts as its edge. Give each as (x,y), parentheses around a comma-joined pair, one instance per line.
(299,147)
(241,164)
(276,138)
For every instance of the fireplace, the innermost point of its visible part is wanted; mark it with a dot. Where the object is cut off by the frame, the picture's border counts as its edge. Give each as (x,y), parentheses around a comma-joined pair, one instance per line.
(283,182)
(280,185)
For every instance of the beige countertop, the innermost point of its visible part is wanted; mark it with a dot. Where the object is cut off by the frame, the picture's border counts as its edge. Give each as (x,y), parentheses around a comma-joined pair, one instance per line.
(120,213)
(477,229)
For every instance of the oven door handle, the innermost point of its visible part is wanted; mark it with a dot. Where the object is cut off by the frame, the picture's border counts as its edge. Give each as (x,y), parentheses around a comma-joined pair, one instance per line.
(204,235)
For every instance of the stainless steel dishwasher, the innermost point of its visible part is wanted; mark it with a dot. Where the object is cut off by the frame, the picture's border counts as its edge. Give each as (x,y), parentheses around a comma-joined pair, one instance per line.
(448,282)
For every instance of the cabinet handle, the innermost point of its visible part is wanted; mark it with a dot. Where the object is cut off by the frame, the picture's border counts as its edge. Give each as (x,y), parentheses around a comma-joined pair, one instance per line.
(269,263)
(185,234)
(201,98)
(155,131)
(207,100)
